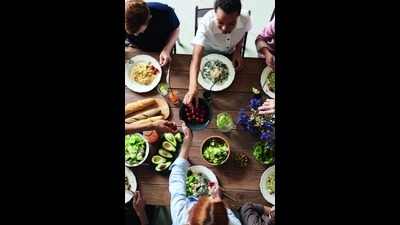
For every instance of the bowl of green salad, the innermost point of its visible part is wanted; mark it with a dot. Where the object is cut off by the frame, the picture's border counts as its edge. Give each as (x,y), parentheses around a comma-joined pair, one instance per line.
(264,153)
(136,149)
(215,150)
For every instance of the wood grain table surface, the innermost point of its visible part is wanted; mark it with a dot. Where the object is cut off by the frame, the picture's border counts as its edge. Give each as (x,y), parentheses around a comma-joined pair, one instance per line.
(241,183)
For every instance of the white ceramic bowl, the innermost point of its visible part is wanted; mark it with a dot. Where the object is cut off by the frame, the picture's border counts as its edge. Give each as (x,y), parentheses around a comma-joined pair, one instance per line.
(146,154)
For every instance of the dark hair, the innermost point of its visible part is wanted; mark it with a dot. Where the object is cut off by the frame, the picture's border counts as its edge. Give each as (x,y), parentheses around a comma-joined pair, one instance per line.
(271,220)
(209,213)
(228,6)
(136,14)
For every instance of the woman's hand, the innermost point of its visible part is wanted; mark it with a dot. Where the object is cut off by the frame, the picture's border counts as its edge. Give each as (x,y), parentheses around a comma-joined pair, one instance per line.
(215,191)
(186,131)
(165,126)
(268,107)
(270,60)
(237,61)
(187,100)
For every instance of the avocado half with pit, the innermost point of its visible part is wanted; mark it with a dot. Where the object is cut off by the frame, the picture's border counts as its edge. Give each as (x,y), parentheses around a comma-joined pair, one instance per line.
(156,159)
(164,153)
(171,138)
(168,146)
(163,166)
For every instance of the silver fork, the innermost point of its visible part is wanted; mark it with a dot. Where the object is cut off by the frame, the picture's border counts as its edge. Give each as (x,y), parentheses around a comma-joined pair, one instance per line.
(128,189)
(129,61)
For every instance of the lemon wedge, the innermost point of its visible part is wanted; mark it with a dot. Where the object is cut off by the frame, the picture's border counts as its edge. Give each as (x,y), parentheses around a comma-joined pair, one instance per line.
(255,91)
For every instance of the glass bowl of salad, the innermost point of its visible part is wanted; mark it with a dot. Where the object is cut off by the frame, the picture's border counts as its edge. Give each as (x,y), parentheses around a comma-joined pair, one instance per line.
(264,153)
(215,150)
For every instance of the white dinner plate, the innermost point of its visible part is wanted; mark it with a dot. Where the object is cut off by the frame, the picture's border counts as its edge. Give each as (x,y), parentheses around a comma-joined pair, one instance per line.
(141,88)
(219,86)
(204,170)
(263,185)
(132,182)
(264,75)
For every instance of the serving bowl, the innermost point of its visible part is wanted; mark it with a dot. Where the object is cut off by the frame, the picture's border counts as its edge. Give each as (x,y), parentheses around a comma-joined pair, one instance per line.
(241,159)
(131,140)
(215,150)
(263,154)
(204,114)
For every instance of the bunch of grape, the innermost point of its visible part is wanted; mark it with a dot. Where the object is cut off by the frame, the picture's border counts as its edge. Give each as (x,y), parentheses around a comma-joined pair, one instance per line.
(197,115)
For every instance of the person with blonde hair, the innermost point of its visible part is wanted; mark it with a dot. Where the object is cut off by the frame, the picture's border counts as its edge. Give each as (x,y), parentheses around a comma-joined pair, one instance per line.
(195,211)
(151,27)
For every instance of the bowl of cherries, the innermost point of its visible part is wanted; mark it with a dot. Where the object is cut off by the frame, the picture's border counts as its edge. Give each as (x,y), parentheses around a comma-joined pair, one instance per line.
(197,118)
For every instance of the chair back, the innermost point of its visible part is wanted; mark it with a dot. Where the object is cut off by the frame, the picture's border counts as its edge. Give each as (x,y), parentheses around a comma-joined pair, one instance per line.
(199,13)
(273,14)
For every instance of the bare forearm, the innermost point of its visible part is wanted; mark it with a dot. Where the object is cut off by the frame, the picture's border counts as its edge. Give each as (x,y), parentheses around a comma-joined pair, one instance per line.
(264,51)
(239,46)
(185,148)
(134,128)
(195,66)
(172,40)
(143,217)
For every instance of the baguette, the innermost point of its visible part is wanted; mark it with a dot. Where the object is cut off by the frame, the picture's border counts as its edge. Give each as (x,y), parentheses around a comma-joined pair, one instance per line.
(138,105)
(149,120)
(143,115)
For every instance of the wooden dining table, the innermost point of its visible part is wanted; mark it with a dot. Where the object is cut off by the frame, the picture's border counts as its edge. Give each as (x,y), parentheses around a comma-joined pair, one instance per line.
(241,183)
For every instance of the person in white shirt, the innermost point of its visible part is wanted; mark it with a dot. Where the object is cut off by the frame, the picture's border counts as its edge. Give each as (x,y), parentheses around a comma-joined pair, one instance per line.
(220,31)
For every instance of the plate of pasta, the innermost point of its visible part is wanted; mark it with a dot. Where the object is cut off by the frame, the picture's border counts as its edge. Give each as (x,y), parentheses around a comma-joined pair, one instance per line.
(267,80)
(216,68)
(143,75)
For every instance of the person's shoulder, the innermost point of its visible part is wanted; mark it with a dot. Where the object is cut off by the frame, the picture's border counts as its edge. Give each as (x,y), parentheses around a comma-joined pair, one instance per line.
(158,5)
(209,17)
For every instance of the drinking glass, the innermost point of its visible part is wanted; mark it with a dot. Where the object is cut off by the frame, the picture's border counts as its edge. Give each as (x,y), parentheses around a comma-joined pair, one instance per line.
(173,96)
(225,122)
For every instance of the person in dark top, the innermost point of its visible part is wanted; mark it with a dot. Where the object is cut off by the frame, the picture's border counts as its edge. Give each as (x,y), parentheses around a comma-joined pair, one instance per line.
(151,27)
(257,214)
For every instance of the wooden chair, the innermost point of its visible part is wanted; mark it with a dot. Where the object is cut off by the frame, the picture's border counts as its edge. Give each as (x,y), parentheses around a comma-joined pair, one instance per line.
(199,13)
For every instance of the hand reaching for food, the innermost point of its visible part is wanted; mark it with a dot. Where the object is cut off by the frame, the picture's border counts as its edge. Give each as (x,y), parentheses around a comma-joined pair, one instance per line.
(215,190)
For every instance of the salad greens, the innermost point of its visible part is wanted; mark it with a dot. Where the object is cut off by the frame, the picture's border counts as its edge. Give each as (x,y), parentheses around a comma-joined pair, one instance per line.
(134,148)
(196,184)
(263,153)
(215,70)
(271,183)
(216,152)
(271,80)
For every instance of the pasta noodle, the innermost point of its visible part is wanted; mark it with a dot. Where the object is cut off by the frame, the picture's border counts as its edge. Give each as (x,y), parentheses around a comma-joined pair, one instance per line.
(142,73)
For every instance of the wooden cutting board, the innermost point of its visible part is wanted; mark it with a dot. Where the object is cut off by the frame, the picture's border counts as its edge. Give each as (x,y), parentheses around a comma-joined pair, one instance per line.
(160,104)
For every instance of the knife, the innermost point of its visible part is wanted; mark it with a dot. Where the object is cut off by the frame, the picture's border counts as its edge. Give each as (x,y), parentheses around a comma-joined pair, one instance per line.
(169,67)
(223,192)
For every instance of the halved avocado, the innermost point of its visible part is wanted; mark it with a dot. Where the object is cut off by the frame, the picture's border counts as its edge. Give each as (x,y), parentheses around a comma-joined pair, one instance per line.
(163,166)
(171,138)
(168,146)
(164,153)
(156,159)
(178,136)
